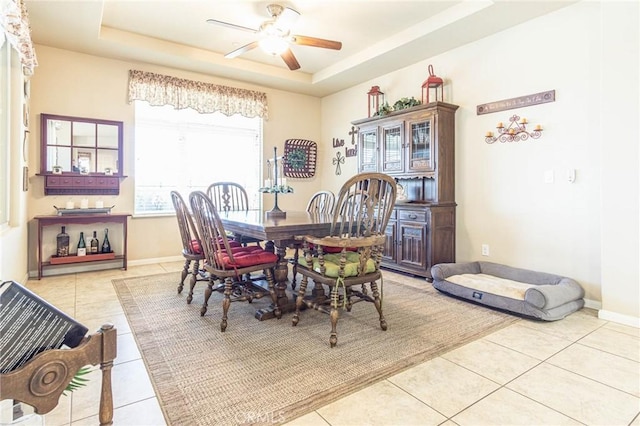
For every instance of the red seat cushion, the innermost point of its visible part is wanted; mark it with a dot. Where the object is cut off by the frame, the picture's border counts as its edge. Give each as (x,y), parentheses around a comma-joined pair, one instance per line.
(194,245)
(246,256)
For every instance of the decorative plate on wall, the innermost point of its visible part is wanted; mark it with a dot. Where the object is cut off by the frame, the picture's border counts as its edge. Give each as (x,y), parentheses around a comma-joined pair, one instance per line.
(299,158)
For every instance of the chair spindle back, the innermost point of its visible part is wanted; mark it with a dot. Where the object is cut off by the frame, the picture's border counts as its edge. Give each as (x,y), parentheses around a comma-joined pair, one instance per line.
(365,205)
(228,196)
(322,202)
(188,231)
(211,229)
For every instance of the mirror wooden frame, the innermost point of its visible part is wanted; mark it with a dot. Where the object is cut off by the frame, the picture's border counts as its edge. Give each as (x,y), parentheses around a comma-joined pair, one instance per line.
(100,144)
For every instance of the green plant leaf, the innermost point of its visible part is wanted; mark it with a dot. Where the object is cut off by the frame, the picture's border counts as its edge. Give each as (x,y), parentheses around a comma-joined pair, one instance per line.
(78,381)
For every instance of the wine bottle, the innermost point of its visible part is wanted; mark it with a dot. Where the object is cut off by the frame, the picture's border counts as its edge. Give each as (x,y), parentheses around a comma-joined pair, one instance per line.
(82,246)
(106,246)
(62,243)
(94,244)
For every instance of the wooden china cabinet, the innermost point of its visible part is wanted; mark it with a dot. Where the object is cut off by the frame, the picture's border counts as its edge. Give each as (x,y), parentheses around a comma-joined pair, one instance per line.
(416,147)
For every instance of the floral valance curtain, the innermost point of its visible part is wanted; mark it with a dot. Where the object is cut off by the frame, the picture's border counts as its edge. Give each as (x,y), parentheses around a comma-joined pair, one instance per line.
(14,21)
(160,89)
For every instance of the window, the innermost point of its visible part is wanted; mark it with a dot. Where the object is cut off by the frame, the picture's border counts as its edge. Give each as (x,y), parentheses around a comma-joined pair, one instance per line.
(186,151)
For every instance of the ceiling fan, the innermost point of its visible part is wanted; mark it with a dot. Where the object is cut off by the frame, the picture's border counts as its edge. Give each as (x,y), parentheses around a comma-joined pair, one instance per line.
(274,36)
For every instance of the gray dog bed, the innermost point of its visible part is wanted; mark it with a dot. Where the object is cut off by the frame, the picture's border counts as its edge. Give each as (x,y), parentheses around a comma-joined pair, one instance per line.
(528,293)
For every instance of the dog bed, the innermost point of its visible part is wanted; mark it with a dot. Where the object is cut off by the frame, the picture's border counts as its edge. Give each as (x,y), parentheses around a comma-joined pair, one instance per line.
(532,294)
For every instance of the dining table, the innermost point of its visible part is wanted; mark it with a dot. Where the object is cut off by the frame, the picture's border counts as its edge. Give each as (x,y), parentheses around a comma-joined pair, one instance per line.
(278,234)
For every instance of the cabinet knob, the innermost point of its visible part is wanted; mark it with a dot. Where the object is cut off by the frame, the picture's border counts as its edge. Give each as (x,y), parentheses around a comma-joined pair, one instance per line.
(413,216)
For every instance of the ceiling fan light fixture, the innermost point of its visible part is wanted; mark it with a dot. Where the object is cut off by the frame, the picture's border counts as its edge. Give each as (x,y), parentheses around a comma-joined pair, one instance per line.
(274,45)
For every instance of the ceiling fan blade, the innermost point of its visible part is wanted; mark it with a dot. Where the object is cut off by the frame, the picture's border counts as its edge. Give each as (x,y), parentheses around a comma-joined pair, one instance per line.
(316,42)
(239,51)
(290,60)
(232,26)
(286,19)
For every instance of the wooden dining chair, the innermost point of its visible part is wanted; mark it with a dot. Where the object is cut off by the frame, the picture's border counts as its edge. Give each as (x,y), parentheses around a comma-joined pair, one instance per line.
(191,246)
(232,264)
(365,204)
(322,202)
(231,196)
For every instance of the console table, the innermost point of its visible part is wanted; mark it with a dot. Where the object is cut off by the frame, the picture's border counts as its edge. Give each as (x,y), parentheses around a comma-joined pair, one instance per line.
(44,221)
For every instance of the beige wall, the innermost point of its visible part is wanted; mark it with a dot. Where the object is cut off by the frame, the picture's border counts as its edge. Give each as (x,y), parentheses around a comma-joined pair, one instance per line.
(502,196)
(69,83)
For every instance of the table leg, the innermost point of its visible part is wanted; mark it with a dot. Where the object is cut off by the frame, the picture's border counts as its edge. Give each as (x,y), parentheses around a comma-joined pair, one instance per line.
(281,276)
(39,250)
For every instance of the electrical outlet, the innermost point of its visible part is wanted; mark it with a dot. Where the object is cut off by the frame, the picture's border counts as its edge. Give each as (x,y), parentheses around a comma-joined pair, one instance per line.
(485,249)
(548,176)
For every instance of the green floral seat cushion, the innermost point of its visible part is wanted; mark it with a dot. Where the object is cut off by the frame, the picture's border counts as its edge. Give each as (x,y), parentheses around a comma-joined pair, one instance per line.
(332,264)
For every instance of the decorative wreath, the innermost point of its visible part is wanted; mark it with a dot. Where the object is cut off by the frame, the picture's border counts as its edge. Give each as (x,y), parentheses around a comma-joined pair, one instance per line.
(299,158)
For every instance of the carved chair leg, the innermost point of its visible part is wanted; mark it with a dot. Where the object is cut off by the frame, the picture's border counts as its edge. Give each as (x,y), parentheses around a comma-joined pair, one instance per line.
(300,299)
(294,268)
(378,303)
(207,295)
(192,279)
(183,275)
(226,302)
(333,338)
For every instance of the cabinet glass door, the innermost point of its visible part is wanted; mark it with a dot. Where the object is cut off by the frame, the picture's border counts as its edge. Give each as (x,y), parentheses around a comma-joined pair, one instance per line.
(392,149)
(420,153)
(368,152)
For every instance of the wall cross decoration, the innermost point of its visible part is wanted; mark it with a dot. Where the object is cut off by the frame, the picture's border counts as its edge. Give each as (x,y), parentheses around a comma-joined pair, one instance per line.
(353,133)
(338,161)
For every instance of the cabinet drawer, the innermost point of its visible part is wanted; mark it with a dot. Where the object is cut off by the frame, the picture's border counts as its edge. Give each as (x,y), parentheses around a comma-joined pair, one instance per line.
(412,215)
(106,182)
(57,181)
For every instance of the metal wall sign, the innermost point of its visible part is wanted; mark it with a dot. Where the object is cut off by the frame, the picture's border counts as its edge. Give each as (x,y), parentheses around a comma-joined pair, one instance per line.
(519,102)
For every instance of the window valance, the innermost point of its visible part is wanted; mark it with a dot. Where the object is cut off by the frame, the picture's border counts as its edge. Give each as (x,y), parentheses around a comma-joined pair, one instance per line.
(158,89)
(14,21)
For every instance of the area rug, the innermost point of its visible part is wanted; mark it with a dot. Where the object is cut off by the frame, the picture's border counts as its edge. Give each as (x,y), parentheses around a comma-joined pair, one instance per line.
(269,372)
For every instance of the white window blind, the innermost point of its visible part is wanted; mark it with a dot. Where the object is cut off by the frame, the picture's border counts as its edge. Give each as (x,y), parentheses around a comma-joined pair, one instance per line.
(185,151)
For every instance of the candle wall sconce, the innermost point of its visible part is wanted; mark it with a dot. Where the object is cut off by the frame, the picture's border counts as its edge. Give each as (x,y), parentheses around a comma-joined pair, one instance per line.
(276,184)
(516,131)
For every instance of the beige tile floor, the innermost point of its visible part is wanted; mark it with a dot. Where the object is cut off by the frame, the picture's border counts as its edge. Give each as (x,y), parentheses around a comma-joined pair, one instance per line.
(581,370)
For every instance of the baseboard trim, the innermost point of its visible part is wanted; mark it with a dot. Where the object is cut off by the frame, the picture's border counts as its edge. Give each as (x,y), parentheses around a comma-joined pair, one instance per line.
(167,259)
(619,318)
(592,304)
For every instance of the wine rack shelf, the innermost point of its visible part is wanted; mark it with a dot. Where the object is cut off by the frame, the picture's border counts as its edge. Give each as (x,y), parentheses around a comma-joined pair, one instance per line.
(44,221)
(62,260)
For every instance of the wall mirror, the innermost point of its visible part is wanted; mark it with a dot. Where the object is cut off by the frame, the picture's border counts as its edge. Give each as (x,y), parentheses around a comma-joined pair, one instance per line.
(72,147)
(81,145)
